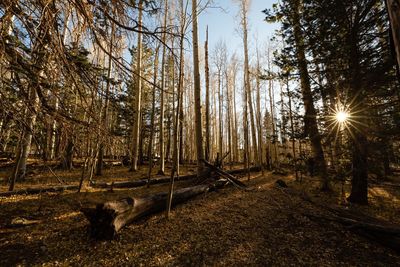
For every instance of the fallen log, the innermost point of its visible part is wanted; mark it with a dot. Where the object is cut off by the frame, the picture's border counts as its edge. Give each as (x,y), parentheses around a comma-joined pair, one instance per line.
(225,174)
(379,231)
(386,184)
(33,191)
(240,171)
(141,182)
(21,222)
(160,180)
(109,217)
(372,228)
(123,184)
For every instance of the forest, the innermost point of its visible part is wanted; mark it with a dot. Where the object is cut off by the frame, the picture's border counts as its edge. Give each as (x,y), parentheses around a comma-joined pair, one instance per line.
(134,133)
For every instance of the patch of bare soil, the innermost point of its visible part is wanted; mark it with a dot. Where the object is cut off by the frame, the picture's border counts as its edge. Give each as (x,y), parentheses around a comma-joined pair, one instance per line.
(230,227)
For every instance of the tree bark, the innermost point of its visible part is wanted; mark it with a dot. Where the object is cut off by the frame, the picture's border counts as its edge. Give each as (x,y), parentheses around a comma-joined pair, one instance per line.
(274,137)
(161,171)
(175,157)
(292,128)
(235,124)
(359,182)
(138,96)
(310,118)
(197,93)
(104,119)
(67,158)
(207,77)
(108,218)
(393,7)
(229,115)
(161,180)
(152,119)
(258,115)
(244,11)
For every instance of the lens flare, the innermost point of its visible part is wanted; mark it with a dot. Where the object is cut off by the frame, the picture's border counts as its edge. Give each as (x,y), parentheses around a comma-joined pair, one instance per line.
(342,116)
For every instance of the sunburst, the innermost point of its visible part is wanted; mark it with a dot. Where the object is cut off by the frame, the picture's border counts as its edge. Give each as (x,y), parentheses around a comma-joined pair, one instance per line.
(347,116)
(341,116)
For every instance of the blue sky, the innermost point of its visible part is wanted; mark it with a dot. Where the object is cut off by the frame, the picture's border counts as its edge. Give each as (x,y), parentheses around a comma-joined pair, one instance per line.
(223,24)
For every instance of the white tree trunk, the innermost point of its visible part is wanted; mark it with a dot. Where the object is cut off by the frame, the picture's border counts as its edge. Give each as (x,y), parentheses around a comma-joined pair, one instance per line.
(137,109)
(197,93)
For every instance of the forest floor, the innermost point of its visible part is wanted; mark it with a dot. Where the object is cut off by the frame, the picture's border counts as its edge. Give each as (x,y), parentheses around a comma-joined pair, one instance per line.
(262,227)
(41,174)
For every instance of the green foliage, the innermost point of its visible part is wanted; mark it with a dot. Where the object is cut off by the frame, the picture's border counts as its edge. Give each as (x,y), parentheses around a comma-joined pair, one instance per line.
(350,62)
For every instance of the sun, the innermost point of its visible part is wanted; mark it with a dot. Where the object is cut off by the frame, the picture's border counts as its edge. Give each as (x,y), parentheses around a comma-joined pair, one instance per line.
(341,116)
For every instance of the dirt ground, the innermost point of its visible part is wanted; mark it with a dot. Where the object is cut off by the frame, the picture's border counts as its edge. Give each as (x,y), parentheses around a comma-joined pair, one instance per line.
(262,227)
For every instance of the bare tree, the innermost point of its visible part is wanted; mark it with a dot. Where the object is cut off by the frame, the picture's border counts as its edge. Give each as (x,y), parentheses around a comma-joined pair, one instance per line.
(258,111)
(152,119)
(162,96)
(104,118)
(207,77)
(138,95)
(244,6)
(197,93)
(220,58)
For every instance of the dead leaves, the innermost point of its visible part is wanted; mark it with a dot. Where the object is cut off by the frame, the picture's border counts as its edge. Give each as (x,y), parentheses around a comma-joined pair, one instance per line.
(231,227)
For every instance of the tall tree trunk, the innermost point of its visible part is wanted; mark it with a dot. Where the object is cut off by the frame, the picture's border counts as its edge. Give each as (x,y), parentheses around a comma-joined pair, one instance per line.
(52,147)
(274,136)
(39,60)
(220,116)
(258,114)
(283,118)
(253,127)
(393,7)
(169,113)
(138,96)
(26,141)
(181,115)
(246,154)
(175,158)
(229,115)
(141,140)
(310,119)
(197,93)
(214,143)
(6,74)
(104,119)
(53,133)
(359,182)
(161,171)
(292,128)
(67,158)
(235,124)
(244,10)
(152,119)
(207,77)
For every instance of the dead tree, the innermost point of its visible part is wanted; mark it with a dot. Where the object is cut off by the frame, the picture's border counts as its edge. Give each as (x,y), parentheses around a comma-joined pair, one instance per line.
(138,96)
(108,218)
(197,92)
